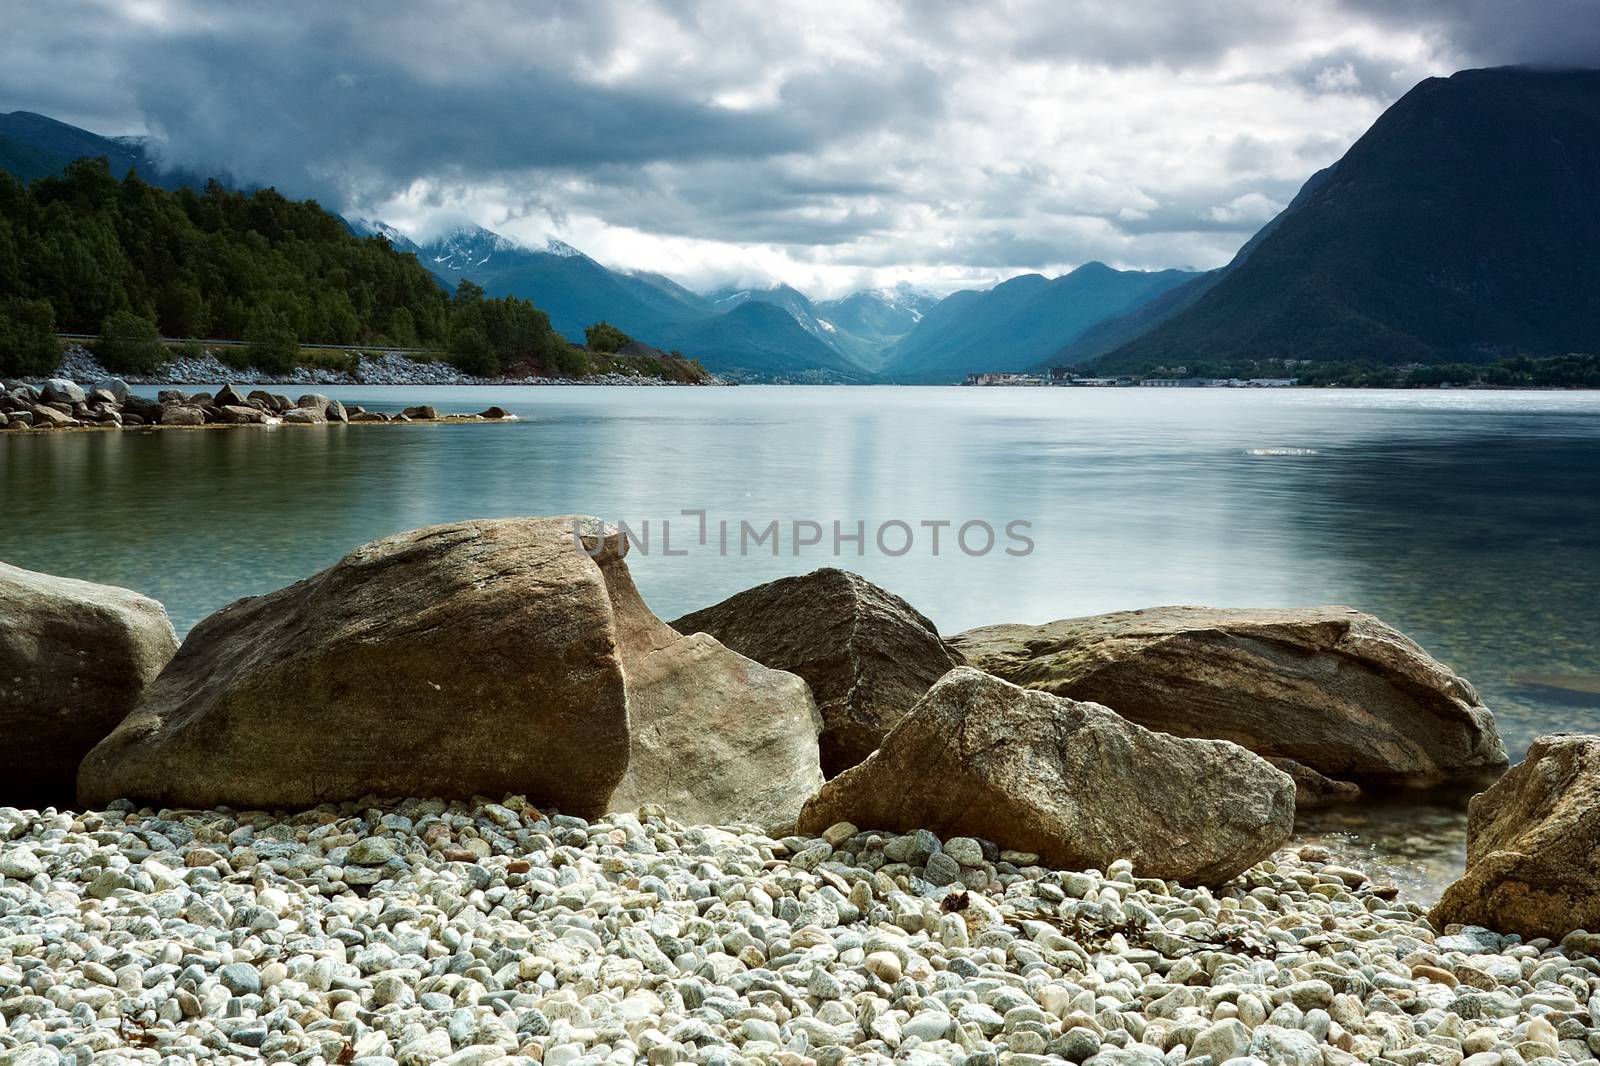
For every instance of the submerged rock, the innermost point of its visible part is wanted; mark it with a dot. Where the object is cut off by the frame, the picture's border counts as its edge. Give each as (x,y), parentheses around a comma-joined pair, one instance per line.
(868,655)
(1331,688)
(1533,845)
(74,658)
(1071,782)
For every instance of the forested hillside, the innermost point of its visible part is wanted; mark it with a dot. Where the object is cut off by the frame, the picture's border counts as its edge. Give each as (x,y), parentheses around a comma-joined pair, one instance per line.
(78,249)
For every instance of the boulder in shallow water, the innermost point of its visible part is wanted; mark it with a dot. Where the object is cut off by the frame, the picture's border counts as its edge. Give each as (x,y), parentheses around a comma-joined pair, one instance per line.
(48,417)
(74,658)
(1313,791)
(182,415)
(1533,845)
(1073,782)
(240,415)
(116,387)
(335,412)
(420,412)
(229,396)
(307,416)
(868,655)
(478,658)
(61,390)
(1328,687)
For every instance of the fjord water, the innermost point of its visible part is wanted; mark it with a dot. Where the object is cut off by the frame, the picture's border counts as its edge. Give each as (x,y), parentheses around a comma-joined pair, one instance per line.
(1470,520)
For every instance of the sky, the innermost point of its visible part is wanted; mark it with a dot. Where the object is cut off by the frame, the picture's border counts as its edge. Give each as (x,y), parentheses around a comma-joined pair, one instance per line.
(832,146)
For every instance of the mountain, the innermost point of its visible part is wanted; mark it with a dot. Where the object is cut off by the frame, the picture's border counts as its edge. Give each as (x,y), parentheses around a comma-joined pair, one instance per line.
(1021,322)
(573,289)
(35,146)
(1464,225)
(1112,333)
(859,327)
(761,341)
(879,314)
(749,339)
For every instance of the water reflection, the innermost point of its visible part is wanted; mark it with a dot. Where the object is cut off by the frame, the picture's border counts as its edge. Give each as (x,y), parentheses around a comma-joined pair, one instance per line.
(1472,521)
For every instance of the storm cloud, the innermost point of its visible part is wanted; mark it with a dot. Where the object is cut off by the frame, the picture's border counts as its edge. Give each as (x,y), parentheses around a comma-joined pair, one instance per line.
(830,145)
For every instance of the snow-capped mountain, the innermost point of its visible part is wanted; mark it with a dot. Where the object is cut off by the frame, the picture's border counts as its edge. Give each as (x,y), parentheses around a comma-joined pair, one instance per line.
(792,300)
(467,248)
(372,227)
(880,315)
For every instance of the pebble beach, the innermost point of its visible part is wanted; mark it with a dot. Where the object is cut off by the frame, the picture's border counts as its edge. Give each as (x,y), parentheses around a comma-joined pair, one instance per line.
(492,932)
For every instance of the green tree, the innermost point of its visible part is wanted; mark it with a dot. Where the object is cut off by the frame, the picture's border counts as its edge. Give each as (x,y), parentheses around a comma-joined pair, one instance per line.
(471,352)
(28,345)
(129,343)
(270,342)
(605,338)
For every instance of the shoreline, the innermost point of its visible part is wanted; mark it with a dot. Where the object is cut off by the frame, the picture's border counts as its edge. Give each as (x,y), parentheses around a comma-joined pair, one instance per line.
(387,368)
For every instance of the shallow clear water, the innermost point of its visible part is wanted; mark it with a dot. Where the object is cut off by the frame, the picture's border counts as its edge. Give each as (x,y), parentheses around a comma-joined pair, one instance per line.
(1469,520)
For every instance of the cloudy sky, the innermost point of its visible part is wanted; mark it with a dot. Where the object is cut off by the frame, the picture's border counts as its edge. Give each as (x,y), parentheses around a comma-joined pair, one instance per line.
(831,145)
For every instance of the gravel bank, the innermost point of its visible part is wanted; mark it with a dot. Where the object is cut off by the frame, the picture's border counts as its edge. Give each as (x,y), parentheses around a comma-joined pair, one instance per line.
(429,932)
(384,368)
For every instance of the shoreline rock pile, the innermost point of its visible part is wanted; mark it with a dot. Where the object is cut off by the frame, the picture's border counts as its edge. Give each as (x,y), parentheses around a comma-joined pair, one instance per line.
(60,403)
(1009,876)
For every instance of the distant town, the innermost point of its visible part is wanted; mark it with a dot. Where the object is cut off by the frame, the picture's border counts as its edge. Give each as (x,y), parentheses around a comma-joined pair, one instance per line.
(1070,377)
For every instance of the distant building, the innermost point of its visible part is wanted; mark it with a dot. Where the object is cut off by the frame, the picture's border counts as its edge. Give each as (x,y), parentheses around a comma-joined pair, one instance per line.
(1218,383)
(1002,378)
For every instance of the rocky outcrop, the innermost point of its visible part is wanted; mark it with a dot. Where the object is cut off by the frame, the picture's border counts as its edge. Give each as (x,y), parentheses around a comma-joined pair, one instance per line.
(1533,845)
(478,658)
(1330,688)
(74,658)
(62,404)
(868,655)
(1072,782)
(715,737)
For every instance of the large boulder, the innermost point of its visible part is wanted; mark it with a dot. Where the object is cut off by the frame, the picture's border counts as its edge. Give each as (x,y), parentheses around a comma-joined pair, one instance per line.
(182,415)
(478,658)
(1533,845)
(715,736)
(1330,688)
(1073,782)
(115,387)
(452,661)
(61,390)
(74,658)
(868,655)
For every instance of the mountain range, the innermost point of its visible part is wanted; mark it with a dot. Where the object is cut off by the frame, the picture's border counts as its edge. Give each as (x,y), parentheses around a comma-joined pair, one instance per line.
(1464,224)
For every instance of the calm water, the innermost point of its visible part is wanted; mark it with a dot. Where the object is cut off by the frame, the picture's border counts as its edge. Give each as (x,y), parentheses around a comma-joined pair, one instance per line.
(1470,520)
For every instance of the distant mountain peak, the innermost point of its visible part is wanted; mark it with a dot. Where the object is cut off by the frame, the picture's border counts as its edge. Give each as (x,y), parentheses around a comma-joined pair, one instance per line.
(556,246)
